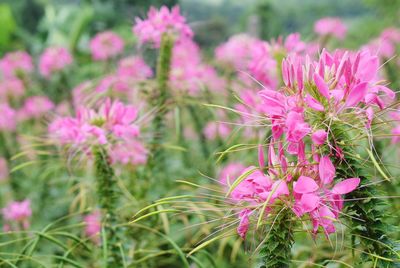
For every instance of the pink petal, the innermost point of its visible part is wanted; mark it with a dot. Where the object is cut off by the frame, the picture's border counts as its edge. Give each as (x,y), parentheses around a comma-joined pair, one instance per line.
(280,188)
(357,94)
(261,160)
(313,103)
(326,170)
(346,186)
(305,185)
(309,202)
(319,137)
(321,85)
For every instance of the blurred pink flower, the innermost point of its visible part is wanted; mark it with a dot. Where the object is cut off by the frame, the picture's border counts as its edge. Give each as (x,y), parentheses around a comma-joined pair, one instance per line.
(134,67)
(230,173)
(106,45)
(214,130)
(236,51)
(131,152)
(93,226)
(112,121)
(16,62)
(11,88)
(18,212)
(54,59)
(3,169)
(331,26)
(8,119)
(159,22)
(35,107)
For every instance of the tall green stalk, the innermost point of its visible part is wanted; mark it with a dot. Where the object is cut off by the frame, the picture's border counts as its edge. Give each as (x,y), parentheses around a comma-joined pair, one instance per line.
(365,209)
(160,101)
(107,198)
(276,250)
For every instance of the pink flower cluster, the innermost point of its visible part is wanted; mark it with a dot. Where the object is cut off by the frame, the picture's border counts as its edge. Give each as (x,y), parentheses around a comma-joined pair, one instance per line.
(385,46)
(112,120)
(159,22)
(54,59)
(106,45)
(330,26)
(188,73)
(17,214)
(113,123)
(305,189)
(35,107)
(14,63)
(134,67)
(11,88)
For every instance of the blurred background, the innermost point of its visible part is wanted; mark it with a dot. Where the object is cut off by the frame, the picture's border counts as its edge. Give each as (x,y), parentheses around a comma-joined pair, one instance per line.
(35,24)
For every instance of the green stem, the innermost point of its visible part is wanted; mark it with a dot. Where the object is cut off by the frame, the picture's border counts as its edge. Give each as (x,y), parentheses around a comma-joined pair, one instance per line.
(367,213)
(157,163)
(107,198)
(276,250)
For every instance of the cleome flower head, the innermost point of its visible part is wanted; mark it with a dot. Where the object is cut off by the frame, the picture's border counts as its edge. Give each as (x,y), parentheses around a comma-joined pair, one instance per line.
(106,45)
(111,121)
(159,22)
(54,59)
(16,62)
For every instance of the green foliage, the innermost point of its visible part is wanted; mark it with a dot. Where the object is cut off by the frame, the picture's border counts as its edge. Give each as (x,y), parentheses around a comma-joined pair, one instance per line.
(108,196)
(365,210)
(7,23)
(276,250)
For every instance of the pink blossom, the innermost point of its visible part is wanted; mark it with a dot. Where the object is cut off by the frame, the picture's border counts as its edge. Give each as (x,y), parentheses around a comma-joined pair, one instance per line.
(331,26)
(159,22)
(35,107)
(54,59)
(230,173)
(236,51)
(323,204)
(93,226)
(130,152)
(134,67)
(16,62)
(11,88)
(18,212)
(111,121)
(214,130)
(8,119)
(106,45)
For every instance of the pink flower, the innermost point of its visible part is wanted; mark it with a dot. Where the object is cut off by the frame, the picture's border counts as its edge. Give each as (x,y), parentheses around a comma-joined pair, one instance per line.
(54,59)
(230,173)
(106,45)
(11,88)
(8,119)
(134,67)
(323,204)
(93,226)
(159,22)
(244,223)
(18,212)
(111,122)
(35,107)
(3,169)
(331,26)
(214,130)
(14,63)
(236,51)
(130,152)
